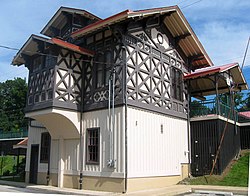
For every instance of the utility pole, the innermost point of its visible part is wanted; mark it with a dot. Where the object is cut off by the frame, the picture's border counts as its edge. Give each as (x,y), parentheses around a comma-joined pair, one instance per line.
(244,58)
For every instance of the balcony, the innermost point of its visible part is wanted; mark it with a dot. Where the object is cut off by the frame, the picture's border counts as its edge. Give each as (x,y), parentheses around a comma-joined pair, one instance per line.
(212,107)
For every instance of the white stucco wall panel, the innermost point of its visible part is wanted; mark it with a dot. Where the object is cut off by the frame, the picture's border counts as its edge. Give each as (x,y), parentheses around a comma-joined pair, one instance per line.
(34,136)
(100,119)
(157,144)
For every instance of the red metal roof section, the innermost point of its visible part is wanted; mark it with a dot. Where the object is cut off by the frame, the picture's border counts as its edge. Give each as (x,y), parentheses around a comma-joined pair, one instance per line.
(23,142)
(72,47)
(116,16)
(210,70)
(245,114)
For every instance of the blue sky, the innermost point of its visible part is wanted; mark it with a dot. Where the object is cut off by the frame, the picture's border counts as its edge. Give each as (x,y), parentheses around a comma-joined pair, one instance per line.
(223,27)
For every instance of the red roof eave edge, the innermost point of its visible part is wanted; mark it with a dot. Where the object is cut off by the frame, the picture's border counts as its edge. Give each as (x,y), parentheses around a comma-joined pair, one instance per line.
(72,47)
(211,70)
(119,15)
(196,75)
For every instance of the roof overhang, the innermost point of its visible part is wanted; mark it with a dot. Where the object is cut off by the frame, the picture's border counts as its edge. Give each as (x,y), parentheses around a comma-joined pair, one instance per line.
(202,81)
(174,21)
(21,144)
(31,47)
(59,18)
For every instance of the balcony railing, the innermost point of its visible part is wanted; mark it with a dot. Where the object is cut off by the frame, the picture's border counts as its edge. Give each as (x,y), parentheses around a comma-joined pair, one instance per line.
(14,134)
(212,107)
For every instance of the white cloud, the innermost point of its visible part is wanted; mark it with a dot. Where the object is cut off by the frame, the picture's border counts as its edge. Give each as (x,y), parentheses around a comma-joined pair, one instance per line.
(8,71)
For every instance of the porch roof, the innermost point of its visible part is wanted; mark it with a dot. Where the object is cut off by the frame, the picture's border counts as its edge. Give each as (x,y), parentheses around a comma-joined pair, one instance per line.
(202,81)
(21,144)
(174,21)
(245,114)
(31,47)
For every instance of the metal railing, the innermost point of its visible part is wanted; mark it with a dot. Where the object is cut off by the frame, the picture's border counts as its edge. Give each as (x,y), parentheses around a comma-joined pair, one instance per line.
(21,133)
(212,107)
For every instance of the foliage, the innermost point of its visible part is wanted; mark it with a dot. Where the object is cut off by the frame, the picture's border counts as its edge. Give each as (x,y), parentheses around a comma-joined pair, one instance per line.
(246,105)
(13,100)
(8,164)
(238,99)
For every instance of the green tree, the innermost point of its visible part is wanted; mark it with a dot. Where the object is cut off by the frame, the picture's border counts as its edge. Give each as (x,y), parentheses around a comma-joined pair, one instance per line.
(12,102)
(246,103)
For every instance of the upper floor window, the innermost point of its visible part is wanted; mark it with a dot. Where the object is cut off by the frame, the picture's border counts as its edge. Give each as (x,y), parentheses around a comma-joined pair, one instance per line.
(103,63)
(37,63)
(177,83)
(50,60)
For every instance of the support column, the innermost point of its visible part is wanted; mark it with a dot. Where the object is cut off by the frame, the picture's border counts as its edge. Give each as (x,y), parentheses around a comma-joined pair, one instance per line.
(217,95)
(61,163)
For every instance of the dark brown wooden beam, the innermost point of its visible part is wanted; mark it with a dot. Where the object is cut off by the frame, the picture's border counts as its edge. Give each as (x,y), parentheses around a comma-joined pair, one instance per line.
(180,37)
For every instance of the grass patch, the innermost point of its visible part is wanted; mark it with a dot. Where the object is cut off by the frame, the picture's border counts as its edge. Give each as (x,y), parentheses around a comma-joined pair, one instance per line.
(236,176)
(8,164)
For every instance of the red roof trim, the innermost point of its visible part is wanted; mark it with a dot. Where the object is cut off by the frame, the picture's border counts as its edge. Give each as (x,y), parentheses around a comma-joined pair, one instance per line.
(245,114)
(24,142)
(210,70)
(78,32)
(72,47)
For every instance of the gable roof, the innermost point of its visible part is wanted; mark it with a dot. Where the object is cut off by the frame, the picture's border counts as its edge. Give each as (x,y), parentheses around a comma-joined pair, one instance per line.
(174,21)
(31,48)
(202,80)
(60,20)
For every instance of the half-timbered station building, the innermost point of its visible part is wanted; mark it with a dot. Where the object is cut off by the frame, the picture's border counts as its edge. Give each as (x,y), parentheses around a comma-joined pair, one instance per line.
(109,100)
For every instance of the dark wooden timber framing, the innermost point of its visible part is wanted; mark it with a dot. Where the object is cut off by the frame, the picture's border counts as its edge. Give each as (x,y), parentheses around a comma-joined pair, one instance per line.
(146,81)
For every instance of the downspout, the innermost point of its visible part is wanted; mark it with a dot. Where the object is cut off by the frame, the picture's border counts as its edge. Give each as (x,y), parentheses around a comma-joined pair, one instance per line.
(48,171)
(111,162)
(81,135)
(126,120)
(189,131)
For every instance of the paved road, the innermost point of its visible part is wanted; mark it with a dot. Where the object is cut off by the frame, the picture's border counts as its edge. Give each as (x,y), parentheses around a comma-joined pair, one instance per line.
(11,190)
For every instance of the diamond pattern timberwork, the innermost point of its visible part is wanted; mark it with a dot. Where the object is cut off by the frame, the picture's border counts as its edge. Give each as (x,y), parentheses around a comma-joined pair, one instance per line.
(68,77)
(148,74)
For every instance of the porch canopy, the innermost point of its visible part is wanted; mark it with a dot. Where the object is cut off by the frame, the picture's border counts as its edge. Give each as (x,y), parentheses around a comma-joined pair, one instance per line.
(216,79)
(36,45)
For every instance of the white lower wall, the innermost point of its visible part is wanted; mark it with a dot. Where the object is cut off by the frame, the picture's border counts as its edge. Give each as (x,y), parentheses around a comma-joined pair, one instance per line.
(100,119)
(34,136)
(157,144)
(70,149)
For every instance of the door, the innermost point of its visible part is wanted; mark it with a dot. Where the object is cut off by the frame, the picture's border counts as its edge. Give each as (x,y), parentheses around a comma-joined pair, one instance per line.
(34,163)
